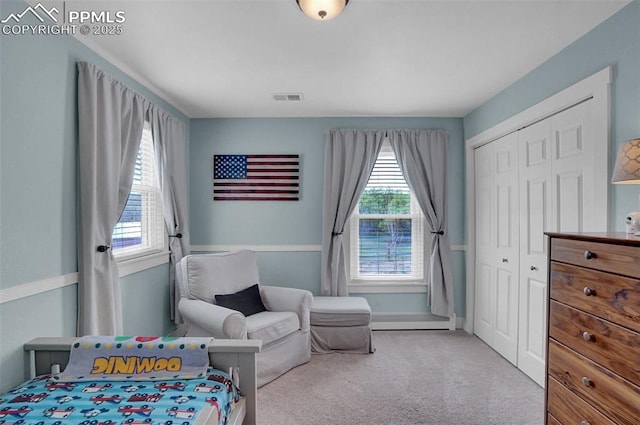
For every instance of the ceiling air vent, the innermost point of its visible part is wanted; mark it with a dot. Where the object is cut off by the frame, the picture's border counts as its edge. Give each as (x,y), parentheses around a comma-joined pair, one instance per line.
(288,97)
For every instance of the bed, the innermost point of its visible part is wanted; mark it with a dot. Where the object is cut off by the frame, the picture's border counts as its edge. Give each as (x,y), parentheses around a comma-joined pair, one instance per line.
(224,393)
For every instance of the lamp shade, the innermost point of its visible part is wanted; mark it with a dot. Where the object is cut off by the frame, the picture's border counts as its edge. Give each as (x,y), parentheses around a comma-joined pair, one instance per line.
(627,169)
(322,10)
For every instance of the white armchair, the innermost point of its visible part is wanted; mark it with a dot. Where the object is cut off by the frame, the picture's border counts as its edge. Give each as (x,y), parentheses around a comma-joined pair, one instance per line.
(284,328)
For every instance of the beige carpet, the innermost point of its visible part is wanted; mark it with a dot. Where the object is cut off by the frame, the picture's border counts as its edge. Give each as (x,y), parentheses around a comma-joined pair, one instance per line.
(414,378)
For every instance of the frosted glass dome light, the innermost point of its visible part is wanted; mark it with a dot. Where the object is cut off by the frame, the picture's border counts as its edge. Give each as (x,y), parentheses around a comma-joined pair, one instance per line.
(322,10)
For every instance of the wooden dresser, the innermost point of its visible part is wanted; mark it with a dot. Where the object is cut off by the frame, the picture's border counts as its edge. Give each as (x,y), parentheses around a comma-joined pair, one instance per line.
(593,345)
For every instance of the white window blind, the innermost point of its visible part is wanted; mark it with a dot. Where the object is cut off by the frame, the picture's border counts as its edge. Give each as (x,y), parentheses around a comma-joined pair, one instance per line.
(140,230)
(386,235)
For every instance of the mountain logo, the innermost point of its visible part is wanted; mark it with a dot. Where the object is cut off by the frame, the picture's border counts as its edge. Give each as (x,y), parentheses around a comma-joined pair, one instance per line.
(39,11)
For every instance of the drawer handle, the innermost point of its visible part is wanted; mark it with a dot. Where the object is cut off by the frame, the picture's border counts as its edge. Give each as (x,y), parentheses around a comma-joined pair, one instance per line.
(504,260)
(588,336)
(590,255)
(589,292)
(584,423)
(533,268)
(587,382)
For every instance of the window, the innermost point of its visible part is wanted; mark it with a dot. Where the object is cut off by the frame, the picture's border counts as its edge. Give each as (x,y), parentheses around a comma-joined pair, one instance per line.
(386,234)
(140,230)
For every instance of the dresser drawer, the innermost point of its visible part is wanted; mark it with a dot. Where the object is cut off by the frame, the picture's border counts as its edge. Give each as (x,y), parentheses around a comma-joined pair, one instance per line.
(607,344)
(609,296)
(603,390)
(568,408)
(552,421)
(620,259)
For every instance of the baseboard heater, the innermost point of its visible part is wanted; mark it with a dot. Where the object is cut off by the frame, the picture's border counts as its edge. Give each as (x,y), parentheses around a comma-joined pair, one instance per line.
(413,321)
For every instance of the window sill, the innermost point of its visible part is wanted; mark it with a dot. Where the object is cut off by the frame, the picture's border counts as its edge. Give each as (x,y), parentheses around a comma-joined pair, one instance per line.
(129,266)
(387,288)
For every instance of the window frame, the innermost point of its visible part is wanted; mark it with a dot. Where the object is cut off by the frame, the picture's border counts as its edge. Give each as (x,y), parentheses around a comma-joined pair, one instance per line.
(387,283)
(133,259)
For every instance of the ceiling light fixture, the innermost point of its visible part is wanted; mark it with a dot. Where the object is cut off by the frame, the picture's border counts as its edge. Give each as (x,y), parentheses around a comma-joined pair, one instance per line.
(322,10)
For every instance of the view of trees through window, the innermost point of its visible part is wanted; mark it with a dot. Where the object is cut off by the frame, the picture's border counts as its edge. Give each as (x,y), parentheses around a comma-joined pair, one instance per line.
(128,231)
(140,229)
(385,231)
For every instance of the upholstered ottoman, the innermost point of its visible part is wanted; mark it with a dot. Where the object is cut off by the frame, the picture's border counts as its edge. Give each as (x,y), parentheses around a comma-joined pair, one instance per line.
(341,324)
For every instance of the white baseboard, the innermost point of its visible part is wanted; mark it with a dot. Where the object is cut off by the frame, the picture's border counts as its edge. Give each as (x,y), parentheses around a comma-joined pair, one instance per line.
(412,321)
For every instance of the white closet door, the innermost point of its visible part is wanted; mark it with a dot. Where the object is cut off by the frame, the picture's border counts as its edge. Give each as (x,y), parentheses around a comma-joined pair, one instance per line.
(496,301)
(506,257)
(485,242)
(561,190)
(576,173)
(535,210)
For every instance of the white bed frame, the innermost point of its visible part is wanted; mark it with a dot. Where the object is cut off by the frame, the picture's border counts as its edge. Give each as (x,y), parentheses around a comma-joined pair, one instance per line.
(48,353)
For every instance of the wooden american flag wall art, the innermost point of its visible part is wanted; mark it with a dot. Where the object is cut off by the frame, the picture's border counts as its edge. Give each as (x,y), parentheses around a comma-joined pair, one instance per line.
(256,177)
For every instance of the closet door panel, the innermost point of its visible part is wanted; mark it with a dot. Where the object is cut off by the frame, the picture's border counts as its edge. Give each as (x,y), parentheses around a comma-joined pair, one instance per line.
(535,211)
(579,204)
(535,151)
(505,329)
(570,201)
(535,214)
(485,242)
(484,301)
(531,350)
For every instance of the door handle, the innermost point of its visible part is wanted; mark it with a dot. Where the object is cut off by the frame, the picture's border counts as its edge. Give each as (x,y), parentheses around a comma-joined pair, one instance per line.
(533,268)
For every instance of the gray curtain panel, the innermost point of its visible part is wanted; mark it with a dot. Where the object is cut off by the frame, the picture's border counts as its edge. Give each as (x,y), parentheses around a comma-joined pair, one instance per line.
(110,123)
(170,147)
(349,158)
(422,157)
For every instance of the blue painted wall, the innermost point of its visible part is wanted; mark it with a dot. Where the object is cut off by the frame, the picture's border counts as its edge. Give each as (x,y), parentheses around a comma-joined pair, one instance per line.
(300,223)
(616,43)
(38,169)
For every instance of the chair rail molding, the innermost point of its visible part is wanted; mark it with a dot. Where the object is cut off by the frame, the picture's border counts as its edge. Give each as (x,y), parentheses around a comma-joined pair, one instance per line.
(131,266)
(126,268)
(24,290)
(276,248)
(257,248)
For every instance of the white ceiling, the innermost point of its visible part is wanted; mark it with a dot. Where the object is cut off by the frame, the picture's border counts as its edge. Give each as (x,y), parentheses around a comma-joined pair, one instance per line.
(379,58)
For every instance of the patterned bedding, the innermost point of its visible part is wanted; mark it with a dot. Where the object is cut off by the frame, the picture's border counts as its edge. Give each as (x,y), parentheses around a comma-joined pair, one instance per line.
(125,380)
(47,401)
